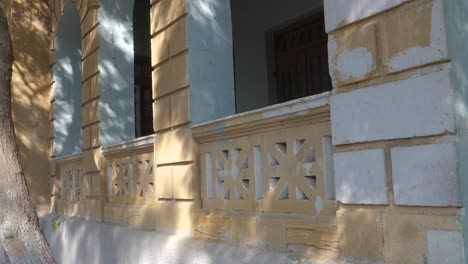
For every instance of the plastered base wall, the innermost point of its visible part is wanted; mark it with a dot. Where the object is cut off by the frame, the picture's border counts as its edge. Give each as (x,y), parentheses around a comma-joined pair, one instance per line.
(74,240)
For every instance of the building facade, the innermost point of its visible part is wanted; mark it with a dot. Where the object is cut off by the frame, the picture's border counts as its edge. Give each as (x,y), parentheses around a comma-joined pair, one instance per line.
(331,130)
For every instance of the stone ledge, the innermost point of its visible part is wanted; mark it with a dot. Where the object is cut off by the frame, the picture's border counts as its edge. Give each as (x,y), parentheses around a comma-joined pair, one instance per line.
(308,110)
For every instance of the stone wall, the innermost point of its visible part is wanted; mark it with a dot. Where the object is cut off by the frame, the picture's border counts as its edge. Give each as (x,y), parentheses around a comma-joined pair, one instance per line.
(28,24)
(396,168)
(388,132)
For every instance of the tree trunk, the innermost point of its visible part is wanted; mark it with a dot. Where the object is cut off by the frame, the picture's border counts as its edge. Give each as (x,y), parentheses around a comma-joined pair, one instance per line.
(20,233)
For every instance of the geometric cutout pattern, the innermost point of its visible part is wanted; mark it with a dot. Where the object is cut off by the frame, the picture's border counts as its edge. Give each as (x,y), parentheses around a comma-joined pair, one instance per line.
(72,182)
(131,180)
(274,171)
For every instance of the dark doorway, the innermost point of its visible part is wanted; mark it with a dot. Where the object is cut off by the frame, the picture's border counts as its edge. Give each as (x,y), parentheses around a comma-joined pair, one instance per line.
(142,51)
(302,59)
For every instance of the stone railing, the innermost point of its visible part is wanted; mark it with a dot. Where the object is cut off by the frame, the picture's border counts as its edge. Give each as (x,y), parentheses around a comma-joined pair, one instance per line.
(277,159)
(71,178)
(129,171)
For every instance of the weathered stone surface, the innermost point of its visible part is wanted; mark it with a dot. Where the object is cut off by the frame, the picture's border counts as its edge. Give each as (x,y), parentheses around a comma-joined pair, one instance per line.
(361,233)
(406,234)
(174,146)
(418,106)
(170,76)
(353,54)
(360,177)
(164,186)
(341,12)
(445,247)
(426,175)
(413,36)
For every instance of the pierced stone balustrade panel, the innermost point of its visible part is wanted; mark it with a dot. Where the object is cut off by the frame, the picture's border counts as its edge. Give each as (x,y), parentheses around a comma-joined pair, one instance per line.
(272,160)
(71,180)
(130,173)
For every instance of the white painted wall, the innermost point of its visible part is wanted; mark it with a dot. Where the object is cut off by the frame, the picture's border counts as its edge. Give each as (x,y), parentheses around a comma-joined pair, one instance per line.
(252,21)
(76,240)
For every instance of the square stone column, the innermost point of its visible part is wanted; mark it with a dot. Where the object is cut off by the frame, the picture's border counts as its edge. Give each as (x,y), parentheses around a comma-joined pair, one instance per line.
(193,82)
(393,125)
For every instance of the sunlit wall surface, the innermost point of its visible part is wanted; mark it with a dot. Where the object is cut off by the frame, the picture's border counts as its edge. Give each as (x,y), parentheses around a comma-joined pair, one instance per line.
(68,83)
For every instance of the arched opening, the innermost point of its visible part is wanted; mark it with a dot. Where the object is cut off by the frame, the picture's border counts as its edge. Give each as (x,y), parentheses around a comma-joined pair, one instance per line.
(68,83)
(142,69)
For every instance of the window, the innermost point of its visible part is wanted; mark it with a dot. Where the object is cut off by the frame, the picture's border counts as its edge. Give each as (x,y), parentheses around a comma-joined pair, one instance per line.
(142,69)
(301,59)
(279,55)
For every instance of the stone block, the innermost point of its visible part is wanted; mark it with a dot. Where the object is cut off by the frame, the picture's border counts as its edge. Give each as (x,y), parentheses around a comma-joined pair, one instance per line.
(243,229)
(91,112)
(164,182)
(217,228)
(162,114)
(86,137)
(52,167)
(414,35)
(165,12)
(96,185)
(170,76)
(185,181)
(328,173)
(361,233)
(91,86)
(414,107)
(169,42)
(179,107)
(339,13)
(51,148)
(360,177)
(271,230)
(445,247)
(159,49)
(176,216)
(90,21)
(91,65)
(353,54)
(426,175)
(174,146)
(406,238)
(313,235)
(136,216)
(91,160)
(90,42)
(85,93)
(94,136)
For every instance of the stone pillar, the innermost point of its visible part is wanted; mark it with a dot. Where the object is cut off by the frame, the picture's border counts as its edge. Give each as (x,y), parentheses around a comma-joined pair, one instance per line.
(192,83)
(396,164)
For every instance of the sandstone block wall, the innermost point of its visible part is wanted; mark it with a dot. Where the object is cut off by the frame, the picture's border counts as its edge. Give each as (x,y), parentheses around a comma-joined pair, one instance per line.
(393,129)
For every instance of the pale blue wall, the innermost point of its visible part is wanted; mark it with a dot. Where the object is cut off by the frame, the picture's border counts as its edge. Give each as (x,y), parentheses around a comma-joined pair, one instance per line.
(68,83)
(457,36)
(253,46)
(211,70)
(116,82)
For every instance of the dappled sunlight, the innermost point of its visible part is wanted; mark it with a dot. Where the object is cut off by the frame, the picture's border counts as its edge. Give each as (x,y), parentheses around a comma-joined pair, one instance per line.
(68,84)
(28,22)
(116,72)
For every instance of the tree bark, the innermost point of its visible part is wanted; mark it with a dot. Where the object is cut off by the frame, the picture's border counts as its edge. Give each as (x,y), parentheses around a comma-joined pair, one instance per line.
(20,232)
